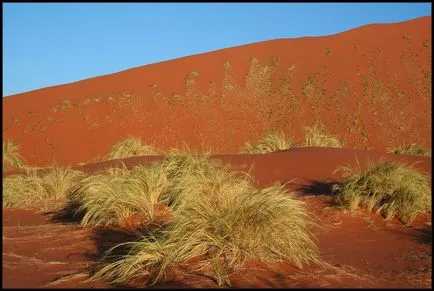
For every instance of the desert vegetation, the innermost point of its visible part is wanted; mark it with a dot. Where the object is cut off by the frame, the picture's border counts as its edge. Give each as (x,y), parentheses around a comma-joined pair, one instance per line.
(220,220)
(388,188)
(411,149)
(108,198)
(271,142)
(317,136)
(11,155)
(24,190)
(129,147)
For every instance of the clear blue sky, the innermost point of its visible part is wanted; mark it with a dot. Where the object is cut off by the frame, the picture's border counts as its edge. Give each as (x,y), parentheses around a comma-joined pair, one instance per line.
(48,44)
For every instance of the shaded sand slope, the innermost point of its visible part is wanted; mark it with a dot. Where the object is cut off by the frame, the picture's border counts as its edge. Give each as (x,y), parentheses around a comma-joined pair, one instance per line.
(361,250)
(371,85)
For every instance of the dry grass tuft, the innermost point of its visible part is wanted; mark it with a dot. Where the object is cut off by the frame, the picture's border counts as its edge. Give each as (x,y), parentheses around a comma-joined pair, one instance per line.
(317,136)
(108,198)
(219,221)
(272,142)
(30,188)
(11,156)
(131,147)
(387,187)
(411,149)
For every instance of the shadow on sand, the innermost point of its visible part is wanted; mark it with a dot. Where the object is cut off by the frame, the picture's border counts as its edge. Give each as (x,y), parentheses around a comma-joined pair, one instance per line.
(317,187)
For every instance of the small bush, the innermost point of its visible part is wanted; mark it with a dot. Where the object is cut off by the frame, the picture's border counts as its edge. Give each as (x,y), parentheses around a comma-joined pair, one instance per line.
(183,169)
(387,187)
(131,147)
(219,221)
(108,199)
(117,193)
(272,142)
(30,188)
(11,156)
(411,149)
(316,136)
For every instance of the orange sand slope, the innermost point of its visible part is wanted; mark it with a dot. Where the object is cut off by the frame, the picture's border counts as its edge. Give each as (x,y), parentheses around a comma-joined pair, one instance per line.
(370,85)
(365,250)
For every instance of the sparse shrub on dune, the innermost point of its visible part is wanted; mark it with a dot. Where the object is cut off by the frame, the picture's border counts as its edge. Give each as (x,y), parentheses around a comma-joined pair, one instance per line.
(108,198)
(317,136)
(411,149)
(131,147)
(271,142)
(219,220)
(26,190)
(59,181)
(183,168)
(11,156)
(111,196)
(22,190)
(387,187)
(155,183)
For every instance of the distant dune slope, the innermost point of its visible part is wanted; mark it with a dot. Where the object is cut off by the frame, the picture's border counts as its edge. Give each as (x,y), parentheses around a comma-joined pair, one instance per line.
(370,85)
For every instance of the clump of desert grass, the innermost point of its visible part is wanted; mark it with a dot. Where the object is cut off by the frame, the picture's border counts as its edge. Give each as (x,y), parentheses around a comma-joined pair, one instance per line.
(411,149)
(108,198)
(183,168)
(317,136)
(35,188)
(111,196)
(271,142)
(130,147)
(220,221)
(387,187)
(11,155)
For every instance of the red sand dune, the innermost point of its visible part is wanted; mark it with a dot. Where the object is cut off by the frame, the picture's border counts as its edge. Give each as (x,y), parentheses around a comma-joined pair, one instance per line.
(370,85)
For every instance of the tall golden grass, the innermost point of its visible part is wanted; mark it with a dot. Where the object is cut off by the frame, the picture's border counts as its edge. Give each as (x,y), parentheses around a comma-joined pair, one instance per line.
(387,187)
(11,155)
(130,147)
(108,198)
(24,190)
(220,220)
(317,136)
(271,142)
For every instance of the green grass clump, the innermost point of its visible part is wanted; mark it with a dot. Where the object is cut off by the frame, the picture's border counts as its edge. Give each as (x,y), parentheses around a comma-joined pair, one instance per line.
(271,142)
(104,199)
(220,221)
(387,187)
(317,136)
(131,147)
(25,190)
(411,149)
(11,156)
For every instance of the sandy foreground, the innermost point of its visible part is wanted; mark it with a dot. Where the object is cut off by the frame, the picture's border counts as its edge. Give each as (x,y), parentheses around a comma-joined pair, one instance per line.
(360,249)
